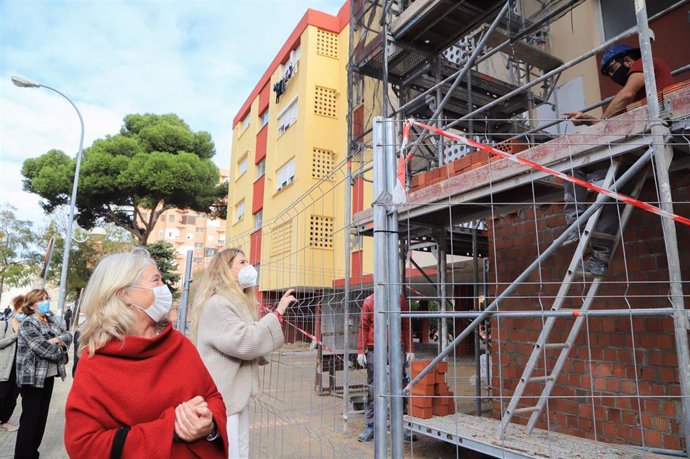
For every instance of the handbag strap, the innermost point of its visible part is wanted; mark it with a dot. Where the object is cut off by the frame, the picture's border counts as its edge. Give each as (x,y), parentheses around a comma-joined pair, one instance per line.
(119,442)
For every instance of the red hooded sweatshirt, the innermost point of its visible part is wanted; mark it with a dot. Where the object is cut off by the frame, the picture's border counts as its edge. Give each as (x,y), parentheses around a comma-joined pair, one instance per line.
(138,383)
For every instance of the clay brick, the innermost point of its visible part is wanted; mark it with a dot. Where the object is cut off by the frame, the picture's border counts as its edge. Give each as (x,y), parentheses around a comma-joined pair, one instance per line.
(424,413)
(442,367)
(421,402)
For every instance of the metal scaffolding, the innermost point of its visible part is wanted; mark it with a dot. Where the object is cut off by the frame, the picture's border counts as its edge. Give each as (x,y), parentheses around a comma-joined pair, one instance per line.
(420,60)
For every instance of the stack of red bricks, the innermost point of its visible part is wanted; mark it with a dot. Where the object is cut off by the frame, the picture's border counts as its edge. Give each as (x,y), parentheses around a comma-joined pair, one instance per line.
(431,396)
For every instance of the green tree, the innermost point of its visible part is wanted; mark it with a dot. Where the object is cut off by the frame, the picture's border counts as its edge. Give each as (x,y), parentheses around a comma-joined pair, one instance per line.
(155,162)
(17,260)
(84,255)
(165,256)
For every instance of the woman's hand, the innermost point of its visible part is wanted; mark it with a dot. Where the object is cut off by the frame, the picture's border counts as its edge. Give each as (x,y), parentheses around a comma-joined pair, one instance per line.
(57,341)
(193,419)
(286,301)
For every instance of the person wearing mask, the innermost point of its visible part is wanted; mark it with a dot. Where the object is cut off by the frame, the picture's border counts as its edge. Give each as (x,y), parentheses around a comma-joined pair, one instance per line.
(9,391)
(623,64)
(133,395)
(41,356)
(365,358)
(231,338)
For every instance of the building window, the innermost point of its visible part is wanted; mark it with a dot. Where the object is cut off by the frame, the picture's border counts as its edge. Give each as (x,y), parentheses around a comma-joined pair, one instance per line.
(221,240)
(322,163)
(320,232)
(213,223)
(242,166)
(326,43)
(198,245)
(285,175)
(171,218)
(264,119)
(289,69)
(201,230)
(261,168)
(324,102)
(210,238)
(239,210)
(189,220)
(209,252)
(161,234)
(287,117)
(198,260)
(258,220)
(245,122)
(172,234)
(619,15)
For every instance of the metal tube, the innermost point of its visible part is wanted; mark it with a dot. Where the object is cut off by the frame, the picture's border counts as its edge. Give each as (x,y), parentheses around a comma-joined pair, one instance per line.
(555,245)
(348,227)
(475,291)
(182,314)
(557,70)
(662,159)
(536,314)
(394,326)
(380,291)
(675,72)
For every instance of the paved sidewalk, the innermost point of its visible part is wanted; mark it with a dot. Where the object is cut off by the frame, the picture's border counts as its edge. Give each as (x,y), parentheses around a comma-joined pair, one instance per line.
(52,446)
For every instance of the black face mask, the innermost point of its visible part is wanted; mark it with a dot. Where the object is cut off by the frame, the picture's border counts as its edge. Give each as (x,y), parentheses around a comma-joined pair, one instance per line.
(620,76)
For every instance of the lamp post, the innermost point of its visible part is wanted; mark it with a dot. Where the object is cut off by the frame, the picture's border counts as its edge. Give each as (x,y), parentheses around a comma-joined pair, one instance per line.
(23,83)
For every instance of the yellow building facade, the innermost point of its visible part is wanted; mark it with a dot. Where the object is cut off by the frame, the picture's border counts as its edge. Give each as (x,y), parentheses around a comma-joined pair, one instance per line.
(286,200)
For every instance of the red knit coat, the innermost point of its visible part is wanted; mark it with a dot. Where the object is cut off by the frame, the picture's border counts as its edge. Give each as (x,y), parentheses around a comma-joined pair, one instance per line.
(139,383)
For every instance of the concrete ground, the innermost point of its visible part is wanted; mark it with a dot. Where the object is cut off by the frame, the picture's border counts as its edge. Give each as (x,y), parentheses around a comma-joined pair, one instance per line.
(288,420)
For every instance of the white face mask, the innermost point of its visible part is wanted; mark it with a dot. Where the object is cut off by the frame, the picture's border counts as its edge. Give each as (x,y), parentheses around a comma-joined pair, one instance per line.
(247,277)
(161,304)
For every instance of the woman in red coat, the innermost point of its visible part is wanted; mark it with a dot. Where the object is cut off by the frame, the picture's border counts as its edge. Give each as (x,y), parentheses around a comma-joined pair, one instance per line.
(141,389)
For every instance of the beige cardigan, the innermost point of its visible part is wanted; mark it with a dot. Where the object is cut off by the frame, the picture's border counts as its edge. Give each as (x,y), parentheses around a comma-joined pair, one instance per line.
(230,343)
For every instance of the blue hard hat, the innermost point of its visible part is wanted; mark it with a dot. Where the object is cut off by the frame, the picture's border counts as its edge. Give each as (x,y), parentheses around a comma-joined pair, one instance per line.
(612,53)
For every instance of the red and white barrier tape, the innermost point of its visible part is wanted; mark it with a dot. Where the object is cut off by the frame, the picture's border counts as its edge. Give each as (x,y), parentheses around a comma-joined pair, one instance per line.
(526,162)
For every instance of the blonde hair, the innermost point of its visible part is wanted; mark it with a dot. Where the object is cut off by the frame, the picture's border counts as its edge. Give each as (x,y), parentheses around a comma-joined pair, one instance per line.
(218,279)
(24,302)
(108,317)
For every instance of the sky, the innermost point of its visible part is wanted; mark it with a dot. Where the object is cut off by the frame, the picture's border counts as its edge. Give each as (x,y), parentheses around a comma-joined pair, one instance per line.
(199,59)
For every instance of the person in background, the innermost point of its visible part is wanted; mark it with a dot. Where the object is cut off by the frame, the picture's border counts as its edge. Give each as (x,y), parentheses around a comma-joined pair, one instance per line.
(68,317)
(9,391)
(623,64)
(6,313)
(41,356)
(141,389)
(232,339)
(365,357)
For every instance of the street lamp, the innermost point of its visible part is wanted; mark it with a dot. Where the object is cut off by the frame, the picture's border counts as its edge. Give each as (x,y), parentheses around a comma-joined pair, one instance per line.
(23,83)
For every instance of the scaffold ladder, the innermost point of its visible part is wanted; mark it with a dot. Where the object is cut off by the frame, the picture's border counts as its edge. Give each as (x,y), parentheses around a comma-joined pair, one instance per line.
(542,344)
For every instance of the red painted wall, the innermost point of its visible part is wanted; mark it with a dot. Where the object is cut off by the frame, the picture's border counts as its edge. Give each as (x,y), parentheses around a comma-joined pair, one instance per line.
(255,248)
(258,195)
(261,142)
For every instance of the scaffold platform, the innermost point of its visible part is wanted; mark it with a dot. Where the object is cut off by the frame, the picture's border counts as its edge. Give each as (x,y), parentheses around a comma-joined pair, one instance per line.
(479,434)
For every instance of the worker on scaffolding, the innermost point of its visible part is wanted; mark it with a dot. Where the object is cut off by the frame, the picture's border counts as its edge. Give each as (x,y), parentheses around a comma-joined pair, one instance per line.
(623,64)
(365,358)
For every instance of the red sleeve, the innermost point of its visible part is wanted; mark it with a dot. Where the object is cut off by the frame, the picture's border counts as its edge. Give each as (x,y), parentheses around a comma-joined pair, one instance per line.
(405,326)
(86,436)
(365,323)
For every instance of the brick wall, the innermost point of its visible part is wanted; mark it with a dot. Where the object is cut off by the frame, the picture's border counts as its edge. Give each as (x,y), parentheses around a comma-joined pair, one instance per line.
(614,358)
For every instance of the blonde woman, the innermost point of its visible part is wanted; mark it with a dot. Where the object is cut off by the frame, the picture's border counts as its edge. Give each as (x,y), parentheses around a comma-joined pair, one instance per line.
(141,389)
(231,338)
